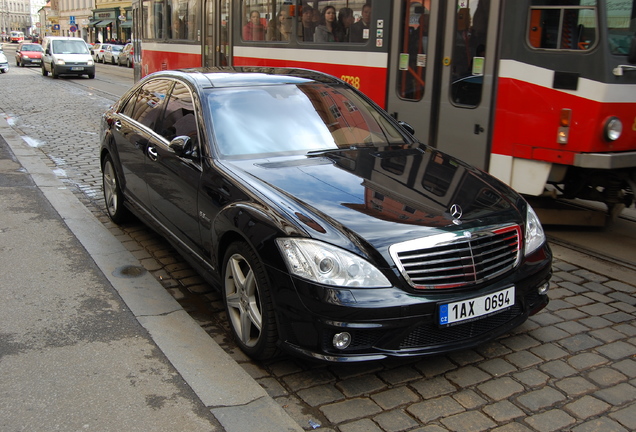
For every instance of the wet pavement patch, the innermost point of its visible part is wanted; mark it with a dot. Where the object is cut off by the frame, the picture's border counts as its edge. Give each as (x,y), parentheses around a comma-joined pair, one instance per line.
(129,271)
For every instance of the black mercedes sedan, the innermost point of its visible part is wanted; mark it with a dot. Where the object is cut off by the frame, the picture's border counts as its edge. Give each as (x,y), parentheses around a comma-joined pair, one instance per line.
(329,230)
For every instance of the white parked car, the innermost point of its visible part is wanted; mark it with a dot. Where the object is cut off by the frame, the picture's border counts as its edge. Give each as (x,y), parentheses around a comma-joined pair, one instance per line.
(111,55)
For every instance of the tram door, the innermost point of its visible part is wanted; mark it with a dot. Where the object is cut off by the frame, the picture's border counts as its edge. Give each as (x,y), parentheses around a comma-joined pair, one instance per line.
(216,43)
(441,73)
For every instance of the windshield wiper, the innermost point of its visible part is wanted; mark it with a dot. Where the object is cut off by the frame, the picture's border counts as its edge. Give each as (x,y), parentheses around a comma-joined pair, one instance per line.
(340,149)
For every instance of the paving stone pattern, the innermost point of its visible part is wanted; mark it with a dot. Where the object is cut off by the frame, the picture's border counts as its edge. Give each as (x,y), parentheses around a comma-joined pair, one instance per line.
(571,367)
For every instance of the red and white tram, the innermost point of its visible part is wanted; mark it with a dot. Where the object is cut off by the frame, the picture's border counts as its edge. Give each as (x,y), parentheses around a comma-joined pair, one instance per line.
(540,93)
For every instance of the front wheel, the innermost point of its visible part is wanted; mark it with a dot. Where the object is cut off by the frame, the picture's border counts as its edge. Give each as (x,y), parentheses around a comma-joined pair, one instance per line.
(44,71)
(248,302)
(113,196)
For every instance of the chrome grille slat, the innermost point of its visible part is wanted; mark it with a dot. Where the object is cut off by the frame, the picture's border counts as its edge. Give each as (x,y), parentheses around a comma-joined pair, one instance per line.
(458,259)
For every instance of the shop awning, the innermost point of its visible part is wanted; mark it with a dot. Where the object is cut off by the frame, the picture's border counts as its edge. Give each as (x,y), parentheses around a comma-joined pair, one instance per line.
(93,22)
(104,23)
(126,24)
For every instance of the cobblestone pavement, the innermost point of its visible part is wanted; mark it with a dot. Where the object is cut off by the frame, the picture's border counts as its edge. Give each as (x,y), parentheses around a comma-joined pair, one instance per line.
(572,367)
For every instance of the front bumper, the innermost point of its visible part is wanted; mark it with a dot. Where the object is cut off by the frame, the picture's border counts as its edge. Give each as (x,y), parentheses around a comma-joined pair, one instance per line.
(75,70)
(393,323)
(31,61)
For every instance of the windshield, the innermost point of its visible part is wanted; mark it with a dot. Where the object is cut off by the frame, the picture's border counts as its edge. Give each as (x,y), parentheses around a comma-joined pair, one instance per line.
(69,47)
(32,47)
(295,118)
(621,25)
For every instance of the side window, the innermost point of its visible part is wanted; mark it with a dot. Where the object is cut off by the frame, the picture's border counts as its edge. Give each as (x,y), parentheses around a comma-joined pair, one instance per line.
(314,21)
(179,118)
(414,48)
(559,25)
(334,21)
(153,14)
(182,19)
(254,20)
(149,102)
(469,50)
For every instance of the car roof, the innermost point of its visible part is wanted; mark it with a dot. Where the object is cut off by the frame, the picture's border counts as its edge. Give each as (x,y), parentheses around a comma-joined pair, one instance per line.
(219,77)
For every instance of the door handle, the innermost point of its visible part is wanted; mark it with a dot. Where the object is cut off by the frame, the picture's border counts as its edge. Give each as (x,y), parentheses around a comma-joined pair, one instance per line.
(152,154)
(118,124)
(478,129)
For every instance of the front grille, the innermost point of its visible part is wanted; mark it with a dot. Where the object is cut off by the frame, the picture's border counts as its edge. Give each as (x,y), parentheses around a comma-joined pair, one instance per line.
(458,259)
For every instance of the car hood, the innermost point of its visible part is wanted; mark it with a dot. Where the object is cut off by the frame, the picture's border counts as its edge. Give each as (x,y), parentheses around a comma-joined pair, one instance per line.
(381,196)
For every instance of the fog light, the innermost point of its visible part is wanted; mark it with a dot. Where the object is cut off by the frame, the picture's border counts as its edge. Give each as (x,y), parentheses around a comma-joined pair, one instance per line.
(544,288)
(341,340)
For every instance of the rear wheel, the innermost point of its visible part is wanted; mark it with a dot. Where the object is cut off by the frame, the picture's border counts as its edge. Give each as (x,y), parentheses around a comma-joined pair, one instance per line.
(248,302)
(113,196)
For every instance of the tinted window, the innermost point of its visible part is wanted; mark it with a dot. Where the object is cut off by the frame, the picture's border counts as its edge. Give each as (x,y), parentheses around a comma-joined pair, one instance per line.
(179,119)
(291,118)
(149,101)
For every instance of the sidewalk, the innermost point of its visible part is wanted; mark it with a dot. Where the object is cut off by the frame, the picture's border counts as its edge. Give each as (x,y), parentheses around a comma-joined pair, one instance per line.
(88,339)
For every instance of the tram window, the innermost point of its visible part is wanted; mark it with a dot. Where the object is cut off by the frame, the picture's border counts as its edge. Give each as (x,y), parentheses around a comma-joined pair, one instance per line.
(153,13)
(557,24)
(352,21)
(182,21)
(414,43)
(469,49)
(621,25)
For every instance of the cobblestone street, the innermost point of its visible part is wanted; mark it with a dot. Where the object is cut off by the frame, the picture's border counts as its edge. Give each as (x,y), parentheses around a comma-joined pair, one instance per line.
(572,367)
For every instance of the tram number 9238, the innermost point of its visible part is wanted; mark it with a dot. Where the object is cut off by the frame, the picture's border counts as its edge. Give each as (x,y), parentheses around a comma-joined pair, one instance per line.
(478,307)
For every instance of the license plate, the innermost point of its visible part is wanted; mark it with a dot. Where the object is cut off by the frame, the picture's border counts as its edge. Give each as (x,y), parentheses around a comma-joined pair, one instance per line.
(478,307)
(77,68)
(35,61)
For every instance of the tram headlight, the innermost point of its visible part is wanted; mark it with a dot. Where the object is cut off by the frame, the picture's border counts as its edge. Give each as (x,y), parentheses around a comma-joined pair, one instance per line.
(613,129)
(534,232)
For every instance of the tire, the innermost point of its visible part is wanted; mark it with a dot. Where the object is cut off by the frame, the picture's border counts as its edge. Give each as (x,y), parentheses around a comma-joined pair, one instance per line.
(54,74)
(113,196)
(91,76)
(248,302)
(44,71)
(112,60)
(128,64)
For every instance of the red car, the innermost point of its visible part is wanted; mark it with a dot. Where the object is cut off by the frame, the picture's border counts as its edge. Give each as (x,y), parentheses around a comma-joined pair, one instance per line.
(28,54)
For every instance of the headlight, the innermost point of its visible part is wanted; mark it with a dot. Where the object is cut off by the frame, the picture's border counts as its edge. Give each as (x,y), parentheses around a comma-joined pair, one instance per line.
(60,62)
(90,63)
(328,265)
(613,129)
(534,232)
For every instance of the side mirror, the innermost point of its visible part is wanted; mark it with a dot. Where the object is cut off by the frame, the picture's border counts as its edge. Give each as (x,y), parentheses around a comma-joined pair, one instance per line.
(180,145)
(47,52)
(631,56)
(407,127)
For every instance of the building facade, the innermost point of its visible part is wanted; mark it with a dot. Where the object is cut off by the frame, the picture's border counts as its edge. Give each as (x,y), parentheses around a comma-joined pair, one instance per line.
(15,15)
